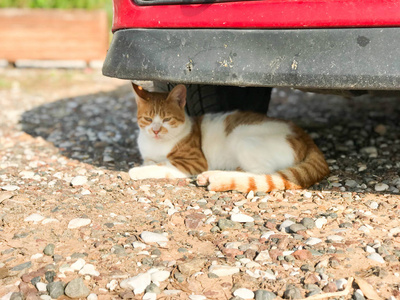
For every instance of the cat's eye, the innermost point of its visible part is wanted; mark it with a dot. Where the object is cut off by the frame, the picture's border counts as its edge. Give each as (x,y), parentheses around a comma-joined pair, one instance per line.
(166,119)
(148,119)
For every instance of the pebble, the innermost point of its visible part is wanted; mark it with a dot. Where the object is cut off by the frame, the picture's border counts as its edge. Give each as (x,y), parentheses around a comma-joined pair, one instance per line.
(374,205)
(160,276)
(55,289)
(263,256)
(381,187)
(41,286)
(34,218)
(78,265)
(311,241)
(153,288)
(264,295)
(241,218)
(340,283)
(334,238)
(149,296)
(284,227)
(225,224)
(79,180)
(10,188)
(292,292)
(112,285)
(320,222)
(137,283)
(244,293)
(76,288)
(297,227)
(49,249)
(358,295)
(308,223)
(221,270)
(369,249)
(376,257)
(92,296)
(78,222)
(22,266)
(351,183)
(89,269)
(152,237)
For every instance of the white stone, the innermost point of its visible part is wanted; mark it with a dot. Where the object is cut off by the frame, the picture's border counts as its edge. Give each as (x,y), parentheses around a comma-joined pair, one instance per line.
(7,296)
(395,230)
(41,287)
(85,192)
(334,238)
(171,292)
(137,283)
(26,174)
(320,222)
(89,269)
(92,296)
(45,297)
(79,180)
(369,249)
(262,256)
(221,270)
(244,293)
(9,188)
(340,283)
(34,218)
(284,227)
(112,285)
(241,218)
(374,205)
(152,237)
(78,222)
(139,245)
(380,187)
(268,275)
(78,265)
(313,241)
(159,276)
(250,195)
(376,257)
(49,220)
(149,296)
(363,228)
(197,297)
(267,235)
(36,256)
(233,245)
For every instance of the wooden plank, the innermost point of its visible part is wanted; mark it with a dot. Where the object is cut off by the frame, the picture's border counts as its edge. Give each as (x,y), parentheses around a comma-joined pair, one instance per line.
(53,34)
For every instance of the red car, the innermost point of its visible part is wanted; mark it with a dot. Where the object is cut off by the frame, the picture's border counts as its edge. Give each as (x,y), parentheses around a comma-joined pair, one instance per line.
(231,53)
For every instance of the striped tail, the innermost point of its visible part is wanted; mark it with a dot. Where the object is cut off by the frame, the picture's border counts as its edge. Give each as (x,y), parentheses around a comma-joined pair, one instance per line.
(307,172)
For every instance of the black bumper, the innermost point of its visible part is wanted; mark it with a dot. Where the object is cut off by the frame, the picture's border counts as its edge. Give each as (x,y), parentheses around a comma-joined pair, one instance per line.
(356,58)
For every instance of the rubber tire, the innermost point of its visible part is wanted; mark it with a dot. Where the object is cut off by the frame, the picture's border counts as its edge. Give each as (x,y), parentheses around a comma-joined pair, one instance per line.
(202,99)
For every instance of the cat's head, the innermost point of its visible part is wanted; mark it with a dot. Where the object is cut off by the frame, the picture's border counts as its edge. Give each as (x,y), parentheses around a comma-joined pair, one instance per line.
(161,115)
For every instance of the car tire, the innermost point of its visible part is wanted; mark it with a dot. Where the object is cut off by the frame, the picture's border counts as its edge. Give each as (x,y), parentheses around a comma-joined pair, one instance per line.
(202,99)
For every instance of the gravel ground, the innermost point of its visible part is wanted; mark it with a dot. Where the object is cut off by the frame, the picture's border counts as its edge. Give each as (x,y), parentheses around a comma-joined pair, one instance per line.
(72,223)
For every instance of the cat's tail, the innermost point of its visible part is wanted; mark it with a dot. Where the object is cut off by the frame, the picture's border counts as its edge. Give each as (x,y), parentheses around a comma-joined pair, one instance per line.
(305,173)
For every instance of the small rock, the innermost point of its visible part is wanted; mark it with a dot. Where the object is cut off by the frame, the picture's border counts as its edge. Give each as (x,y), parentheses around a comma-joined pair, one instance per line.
(340,283)
(374,205)
(9,188)
(308,223)
(225,224)
(79,180)
(263,256)
(330,288)
(302,254)
(149,296)
(381,187)
(76,288)
(92,296)
(376,257)
(89,269)
(192,266)
(241,218)
(152,237)
(78,265)
(55,289)
(78,222)
(153,288)
(137,283)
(264,295)
(380,129)
(16,296)
(313,241)
(320,222)
(221,270)
(41,286)
(334,238)
(50,275)
(358,295)
(292,292)
(351,183)
(34,218)
(297,227)
(49,249)
(160,276)
(3,273)
(244,293)
(22,266)
(370,151)
(179,277)
(284,227)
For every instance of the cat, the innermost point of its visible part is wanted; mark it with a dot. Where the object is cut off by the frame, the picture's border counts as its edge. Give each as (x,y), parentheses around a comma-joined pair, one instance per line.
(237,150)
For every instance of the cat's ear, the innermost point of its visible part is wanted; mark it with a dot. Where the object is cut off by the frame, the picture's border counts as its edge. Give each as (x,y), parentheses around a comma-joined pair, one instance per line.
(178,94)
(140,92)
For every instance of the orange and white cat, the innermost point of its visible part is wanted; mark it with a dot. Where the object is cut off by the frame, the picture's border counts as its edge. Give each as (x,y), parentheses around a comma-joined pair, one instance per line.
(235,150)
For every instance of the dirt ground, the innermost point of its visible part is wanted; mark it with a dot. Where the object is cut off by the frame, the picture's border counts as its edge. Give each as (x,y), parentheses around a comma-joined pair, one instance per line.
(69,212)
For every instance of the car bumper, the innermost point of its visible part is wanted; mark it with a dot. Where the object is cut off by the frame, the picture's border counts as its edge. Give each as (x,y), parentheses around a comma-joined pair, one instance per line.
(343,58)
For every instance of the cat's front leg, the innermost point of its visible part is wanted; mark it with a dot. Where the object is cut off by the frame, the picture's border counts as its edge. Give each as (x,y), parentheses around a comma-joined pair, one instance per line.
(165,170)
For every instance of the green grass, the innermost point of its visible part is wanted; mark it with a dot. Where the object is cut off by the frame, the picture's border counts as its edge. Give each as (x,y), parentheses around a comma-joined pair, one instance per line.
(62,4)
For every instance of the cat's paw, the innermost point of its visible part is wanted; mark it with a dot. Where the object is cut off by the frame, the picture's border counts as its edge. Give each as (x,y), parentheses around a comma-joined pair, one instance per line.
(139,173)
(203,179)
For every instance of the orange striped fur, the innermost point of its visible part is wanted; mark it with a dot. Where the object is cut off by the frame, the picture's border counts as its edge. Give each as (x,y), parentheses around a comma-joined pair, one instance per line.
(208,142)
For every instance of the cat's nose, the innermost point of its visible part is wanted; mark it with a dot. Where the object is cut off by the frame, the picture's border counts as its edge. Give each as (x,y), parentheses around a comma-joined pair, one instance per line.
(156,131)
